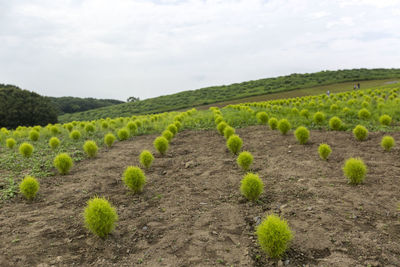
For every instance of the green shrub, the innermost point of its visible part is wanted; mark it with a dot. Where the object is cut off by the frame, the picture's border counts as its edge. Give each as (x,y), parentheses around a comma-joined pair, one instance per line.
(274,235)
(63,163)
(89,128)
(302,135)
(90,148)
(69,127)
(385,120)
(104,125)
(146,158)
(218,119)
(335,123)
(273,123)
(234,143)
(262,117)
(251,186)
(54,142)
(228,132)
(221,127)
(109,139)
(134,178)
(161,144)
(10,143)
(244,160)
(123,134)
(355,170)
(319,117)
(387,143)
(360,133)
(178,125)
(54,130)
(324,150)
(75,135)
(284,126)
(29,187)
(34,135)
(100,216)
(131,126)
(364,114)
(304,113)
(26,150)
(172,128)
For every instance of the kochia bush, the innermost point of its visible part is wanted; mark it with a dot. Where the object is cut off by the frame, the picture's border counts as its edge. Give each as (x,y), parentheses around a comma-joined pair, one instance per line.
(63,163)
(168,135)
(387,143)
(90,148)
(273,123)
(360,133)
(302,135)
(251,186)
(109,139)
(54,142)
(244,160)
(228,132)
(34,135)
(324,150)
(335,123)
(146,158)
(221,127)
(234,144)
(385,120)
(262,117)
(284,126)
(172,128)
(123,134)
(355,170)
(75,135)
(89,128)
(26,150)
(29,187)
(161,144)
(364,114)
(10,143)
(100,216)
(134,178)
(319,117)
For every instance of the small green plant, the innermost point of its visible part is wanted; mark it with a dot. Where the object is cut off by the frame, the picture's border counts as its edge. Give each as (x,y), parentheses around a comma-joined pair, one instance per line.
(123,134)
(335,123)
(29,187)
(274,235)
(387,143)
(385,120)
(90,148)
(89,128)
(54,143)
(319,117)
(54,130)
(168,135)
(284,126)
(134,178)
(10,143)
(360,133)
(100,217)
(146,158)
(132,127)
(75,135)
(228,132)
(262,117)
(234,144)
(273,123)
(302,135)
(34,135)
(364,114)
(324,150)
(109,139)
(355,170)
(26,150)
(251,186)
(161,144)
(244,160)
(221,127)
(172,128)
(178,125)
(304,113)
(63,163)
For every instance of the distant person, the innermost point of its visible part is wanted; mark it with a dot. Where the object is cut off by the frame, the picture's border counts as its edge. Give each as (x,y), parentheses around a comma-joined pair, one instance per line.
(358,85)
(328,93)
(355,86)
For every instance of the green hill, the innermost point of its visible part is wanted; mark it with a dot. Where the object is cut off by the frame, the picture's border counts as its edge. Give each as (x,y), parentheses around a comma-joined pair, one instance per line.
(69,104)
(214,94)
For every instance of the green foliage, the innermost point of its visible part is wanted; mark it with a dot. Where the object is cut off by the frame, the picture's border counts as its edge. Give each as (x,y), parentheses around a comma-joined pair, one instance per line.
(161,144)
(132,126)
(304,113)
(109,139)
(221,127)
(29,187)
(335,123)
(273,123)
(360,133)
(274,235)
(146,158)
(364,114)
(387,143)
(54,143)
(284,126)
(244,160)
(234,143)
(168,135)
(63,162)
(90,148)
(75,135)
(262,117)
(178,125)
(26,150)
(34,135)
(89,128)
(54,130)
(100,216)
(319,118)
(385,120)
(355,170)
(324,150)
(10,143)
(251,186)
(228,132)
(172,128)
(134,178)
(302,135)
(123,134)
(68,104)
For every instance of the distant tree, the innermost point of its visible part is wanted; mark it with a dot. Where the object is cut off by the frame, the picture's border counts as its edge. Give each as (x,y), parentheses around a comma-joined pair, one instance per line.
(133,99)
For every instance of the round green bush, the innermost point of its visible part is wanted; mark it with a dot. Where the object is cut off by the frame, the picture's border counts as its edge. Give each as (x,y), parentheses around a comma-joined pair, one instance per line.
(89,128)
(123,134)
(29,187)
(387,143)
(244,160)
(75,135)
(161,144)
(168,135)
(251,186)
(302,135)
(304,113)
(364,114)
(172,128)
(218,119)
(234,143)
(262,117)
(385,120)
(54,130)
(284,126)
(69,127)
(109,139)
(324,150)
(63,163)
(178,125)
(26,150)
(228,132)
(10,143)
(319,117)
(34,135)
(273,123)
(146,158)
(360,133)
(131,126)
(100,216)
(54,142)
(134,178)
(221,127)
(274,235)
(90,148)
(355,170)
(104,125)
(335,123)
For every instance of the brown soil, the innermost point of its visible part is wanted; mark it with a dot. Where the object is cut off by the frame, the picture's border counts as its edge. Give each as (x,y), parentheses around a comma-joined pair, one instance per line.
(192,214)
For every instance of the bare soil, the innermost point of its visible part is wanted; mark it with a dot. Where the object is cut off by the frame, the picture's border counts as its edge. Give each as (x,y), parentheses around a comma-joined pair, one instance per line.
(191,212)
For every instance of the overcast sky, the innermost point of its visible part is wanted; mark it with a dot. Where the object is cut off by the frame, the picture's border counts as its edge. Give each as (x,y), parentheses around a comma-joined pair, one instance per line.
(121,48)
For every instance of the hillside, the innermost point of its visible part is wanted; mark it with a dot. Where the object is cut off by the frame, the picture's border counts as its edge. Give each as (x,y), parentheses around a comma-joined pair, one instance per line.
(222,93)
(69,104)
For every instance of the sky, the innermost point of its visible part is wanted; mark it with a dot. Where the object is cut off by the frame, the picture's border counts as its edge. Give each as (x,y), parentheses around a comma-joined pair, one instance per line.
(146,48)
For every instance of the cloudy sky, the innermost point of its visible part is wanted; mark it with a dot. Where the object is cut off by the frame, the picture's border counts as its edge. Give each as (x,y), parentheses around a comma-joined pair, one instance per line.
(145,48)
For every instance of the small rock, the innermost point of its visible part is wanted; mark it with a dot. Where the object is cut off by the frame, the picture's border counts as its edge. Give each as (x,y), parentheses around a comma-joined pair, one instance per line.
(289,151)
(189,164)
(309,208)
(164,172)
(144,228)
(214,233)
(280,263)
(287,262)
(203,203)
(257,220)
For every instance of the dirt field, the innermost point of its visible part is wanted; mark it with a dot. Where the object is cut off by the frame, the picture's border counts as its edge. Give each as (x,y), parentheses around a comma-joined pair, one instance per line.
(192,214)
